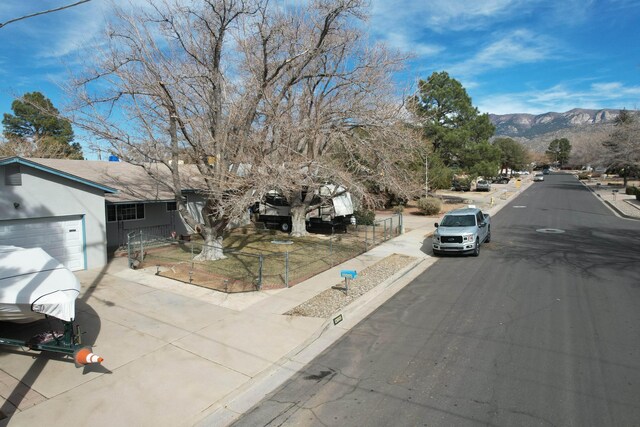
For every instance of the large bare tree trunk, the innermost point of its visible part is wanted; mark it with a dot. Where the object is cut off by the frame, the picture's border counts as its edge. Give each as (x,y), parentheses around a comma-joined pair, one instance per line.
(212,247)
(298,221)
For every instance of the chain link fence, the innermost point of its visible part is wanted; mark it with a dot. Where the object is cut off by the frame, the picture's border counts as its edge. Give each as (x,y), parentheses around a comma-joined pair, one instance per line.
(256,259)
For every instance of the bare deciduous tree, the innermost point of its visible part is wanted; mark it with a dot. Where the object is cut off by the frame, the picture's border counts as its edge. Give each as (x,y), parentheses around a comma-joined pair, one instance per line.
(623,146)
(331,118)
(253,97)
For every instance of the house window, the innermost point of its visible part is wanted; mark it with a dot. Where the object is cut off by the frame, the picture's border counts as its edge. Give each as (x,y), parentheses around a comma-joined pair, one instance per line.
(172,206)
(12,175)
(126,212)
(111,213)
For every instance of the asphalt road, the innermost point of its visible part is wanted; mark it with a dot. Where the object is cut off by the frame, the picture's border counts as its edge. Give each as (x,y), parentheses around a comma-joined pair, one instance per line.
(543,328)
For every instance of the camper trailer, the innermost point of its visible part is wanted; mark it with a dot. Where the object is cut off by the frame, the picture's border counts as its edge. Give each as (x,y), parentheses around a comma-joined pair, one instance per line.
(332,207)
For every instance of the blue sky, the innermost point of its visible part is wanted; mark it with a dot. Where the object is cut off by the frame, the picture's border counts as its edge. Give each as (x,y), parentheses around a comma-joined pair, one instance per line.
(512,56)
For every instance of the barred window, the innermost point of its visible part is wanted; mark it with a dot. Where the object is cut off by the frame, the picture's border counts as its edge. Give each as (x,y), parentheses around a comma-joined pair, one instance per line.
(125,212)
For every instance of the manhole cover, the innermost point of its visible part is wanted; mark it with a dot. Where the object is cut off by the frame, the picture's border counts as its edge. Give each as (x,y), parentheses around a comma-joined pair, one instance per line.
(550,230)
(282,242)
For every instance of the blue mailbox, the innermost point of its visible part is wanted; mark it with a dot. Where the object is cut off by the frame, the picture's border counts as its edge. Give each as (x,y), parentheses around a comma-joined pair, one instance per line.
(348,274)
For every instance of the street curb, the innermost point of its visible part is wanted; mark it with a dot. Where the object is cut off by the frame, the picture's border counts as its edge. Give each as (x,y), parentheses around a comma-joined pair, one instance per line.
(246,396)
(609,205)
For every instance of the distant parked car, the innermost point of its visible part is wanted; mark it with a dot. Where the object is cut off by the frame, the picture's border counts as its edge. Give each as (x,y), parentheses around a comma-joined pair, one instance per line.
(502,179)
(546,172)
(461,186)
(483,185)
(538,177)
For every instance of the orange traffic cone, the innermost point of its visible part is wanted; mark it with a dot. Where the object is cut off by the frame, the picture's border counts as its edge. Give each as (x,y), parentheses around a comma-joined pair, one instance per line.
(84,356)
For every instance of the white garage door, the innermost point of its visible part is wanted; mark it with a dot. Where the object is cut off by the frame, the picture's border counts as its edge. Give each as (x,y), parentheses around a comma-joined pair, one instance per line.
(60,237)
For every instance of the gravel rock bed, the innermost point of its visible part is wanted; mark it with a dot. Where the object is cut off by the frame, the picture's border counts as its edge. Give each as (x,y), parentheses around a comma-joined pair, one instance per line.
(331,300)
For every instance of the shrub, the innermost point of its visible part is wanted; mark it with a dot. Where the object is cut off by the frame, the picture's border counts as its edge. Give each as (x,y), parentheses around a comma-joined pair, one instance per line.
(429,205)
(364,217)
(630,191)
(398,209)
(583,176)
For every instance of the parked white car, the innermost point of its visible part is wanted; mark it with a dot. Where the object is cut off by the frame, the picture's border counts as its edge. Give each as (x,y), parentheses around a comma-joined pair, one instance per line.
(538,177)
(483,185)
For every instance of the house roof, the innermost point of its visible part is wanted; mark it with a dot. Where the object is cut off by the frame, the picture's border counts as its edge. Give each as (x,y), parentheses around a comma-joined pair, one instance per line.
(58,172)
(133,183)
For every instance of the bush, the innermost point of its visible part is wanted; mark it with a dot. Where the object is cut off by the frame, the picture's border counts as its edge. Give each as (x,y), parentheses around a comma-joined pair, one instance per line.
(429,205)
(364,217)
(630,191)
(583,176)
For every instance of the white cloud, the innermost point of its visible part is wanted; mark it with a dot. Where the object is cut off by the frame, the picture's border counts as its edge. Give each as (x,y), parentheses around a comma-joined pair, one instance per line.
(442,16)
(563,97)
(403,43)
(79,27)
(517,47)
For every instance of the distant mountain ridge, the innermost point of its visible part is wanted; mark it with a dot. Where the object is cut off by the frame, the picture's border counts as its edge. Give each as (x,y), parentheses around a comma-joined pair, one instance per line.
(579,125)
(529,125)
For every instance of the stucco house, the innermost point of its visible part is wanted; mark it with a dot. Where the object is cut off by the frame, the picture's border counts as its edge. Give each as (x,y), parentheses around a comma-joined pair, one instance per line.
(102,201)
(60,212)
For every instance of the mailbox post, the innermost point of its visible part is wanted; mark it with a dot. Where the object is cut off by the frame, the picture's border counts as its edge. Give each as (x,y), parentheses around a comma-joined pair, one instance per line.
(348,275)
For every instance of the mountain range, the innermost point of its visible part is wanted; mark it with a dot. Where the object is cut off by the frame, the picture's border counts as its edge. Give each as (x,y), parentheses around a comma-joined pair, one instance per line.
(580,126)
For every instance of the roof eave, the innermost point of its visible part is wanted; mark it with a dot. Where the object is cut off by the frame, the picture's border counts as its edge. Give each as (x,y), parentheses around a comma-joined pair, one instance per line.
(38,166)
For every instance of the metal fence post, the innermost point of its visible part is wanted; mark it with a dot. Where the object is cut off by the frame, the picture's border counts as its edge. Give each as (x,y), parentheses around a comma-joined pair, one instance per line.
(191,269)
(129,250)
(260,261)
(365,238)
(286,269)
(401,224)
(141,248)
(373,240)
(331,249)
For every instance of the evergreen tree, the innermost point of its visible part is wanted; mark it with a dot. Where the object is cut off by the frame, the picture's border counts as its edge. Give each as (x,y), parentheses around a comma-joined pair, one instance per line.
(449,119)
(36,129)
(559,151)
(513,155)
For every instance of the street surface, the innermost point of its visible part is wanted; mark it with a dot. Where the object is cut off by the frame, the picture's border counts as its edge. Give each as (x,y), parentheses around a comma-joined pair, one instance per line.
(543,328)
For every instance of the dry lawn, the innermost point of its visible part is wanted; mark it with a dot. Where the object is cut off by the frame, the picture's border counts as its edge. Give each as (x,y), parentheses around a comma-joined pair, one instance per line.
(247,250)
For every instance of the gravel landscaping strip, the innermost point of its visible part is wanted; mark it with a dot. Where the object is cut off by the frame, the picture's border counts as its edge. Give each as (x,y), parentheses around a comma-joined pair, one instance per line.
(331,300)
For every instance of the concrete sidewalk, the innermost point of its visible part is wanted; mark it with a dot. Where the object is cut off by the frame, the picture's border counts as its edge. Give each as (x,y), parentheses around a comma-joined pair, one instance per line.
(177,354)
(614,196)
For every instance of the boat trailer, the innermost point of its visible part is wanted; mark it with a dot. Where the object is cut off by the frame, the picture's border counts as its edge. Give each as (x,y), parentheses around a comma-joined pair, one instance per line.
(67,342)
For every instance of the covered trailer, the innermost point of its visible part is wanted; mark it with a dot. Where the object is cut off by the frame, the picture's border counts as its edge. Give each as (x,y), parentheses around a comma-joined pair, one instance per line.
(34,286)
(331,207)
